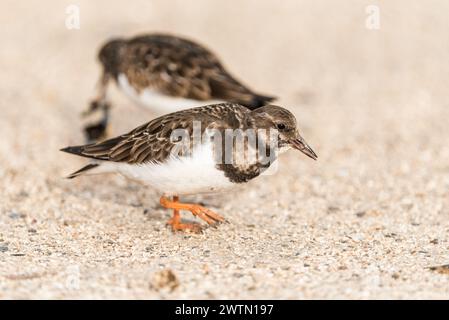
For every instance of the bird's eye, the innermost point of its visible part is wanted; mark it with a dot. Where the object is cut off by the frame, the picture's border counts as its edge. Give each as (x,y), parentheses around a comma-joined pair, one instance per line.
(280,126)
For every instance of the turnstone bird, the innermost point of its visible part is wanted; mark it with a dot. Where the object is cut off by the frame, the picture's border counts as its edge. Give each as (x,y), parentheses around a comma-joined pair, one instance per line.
(154,155)
(167,74)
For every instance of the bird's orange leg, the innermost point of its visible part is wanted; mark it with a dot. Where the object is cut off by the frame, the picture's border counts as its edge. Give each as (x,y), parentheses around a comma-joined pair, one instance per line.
(203,213)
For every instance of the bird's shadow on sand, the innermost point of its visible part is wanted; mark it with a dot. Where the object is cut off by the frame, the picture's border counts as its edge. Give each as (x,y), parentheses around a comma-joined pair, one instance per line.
(125,193)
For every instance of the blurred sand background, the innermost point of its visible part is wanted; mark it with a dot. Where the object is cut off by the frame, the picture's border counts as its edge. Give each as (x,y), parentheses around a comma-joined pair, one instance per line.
(365,221)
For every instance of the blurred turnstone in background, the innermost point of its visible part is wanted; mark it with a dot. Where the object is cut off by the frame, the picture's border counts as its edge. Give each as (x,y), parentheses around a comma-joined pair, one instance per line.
(167,74)
(147,153)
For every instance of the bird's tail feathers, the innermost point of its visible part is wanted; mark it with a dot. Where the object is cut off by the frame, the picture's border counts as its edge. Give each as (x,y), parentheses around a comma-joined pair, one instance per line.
(259,100)
(88,169)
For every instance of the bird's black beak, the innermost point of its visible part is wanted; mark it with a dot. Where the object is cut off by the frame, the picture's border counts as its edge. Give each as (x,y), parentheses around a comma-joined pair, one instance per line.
(301,145)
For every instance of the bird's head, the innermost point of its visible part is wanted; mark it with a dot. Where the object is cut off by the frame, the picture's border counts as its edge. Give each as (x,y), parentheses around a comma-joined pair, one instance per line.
(284,122)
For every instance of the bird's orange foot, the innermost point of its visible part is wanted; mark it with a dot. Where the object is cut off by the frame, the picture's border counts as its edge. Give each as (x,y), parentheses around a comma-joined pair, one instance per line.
(187,227)
(201,212)
(205,214)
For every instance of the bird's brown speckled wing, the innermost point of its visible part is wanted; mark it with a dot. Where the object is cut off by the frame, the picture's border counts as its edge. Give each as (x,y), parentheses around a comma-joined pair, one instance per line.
(151,142)
(181,68)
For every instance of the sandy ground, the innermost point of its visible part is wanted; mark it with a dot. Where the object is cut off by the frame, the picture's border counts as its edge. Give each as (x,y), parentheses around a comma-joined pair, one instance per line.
(365,221)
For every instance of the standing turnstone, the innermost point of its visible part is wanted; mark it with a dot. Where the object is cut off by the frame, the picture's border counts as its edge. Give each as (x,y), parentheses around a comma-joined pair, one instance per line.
(153,153)
(168,74)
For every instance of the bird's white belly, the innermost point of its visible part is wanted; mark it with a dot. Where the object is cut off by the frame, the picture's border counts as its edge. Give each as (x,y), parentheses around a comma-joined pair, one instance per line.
(158,102)
(181,175)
